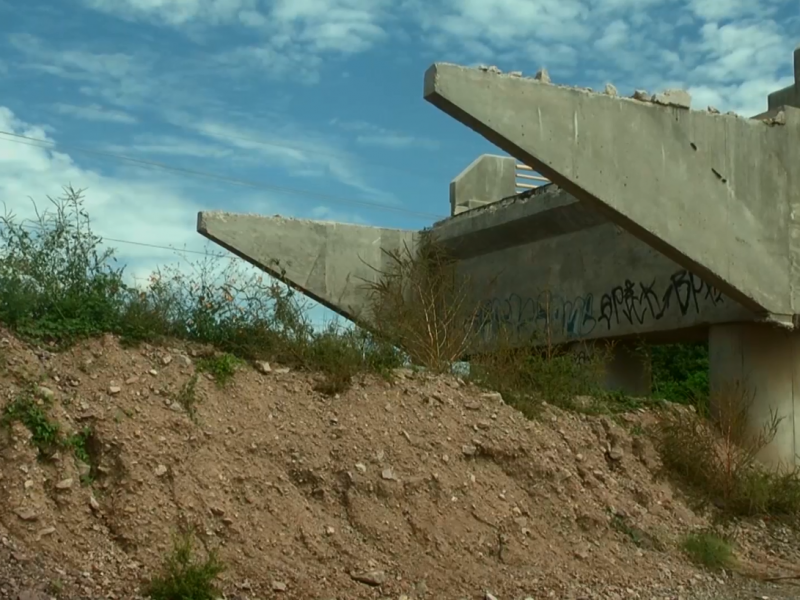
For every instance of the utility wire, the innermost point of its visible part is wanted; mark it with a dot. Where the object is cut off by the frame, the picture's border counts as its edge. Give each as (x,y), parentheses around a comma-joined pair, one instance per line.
(41,143)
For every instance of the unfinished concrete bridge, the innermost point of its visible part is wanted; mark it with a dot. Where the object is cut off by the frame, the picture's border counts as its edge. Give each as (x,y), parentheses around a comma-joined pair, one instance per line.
(661,224)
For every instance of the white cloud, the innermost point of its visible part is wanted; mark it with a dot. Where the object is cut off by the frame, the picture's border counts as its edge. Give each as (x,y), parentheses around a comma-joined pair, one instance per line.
(121,207)
(742,52)
(293,36)
(369,134)
(94,112)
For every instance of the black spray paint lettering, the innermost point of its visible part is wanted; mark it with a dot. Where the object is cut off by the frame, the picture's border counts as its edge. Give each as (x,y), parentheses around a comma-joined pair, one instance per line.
(631,303)
(636,303)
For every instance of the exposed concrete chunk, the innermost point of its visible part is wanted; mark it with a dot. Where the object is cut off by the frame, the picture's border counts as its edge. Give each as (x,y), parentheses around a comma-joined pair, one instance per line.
(679,98)
(610,90)
(641,95)
(713,110)
(543,76)
(515,73)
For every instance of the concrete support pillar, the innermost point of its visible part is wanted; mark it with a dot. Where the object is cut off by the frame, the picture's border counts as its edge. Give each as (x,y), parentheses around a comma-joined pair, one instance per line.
(626,368)
(488,179)
(788,96)
(765,360)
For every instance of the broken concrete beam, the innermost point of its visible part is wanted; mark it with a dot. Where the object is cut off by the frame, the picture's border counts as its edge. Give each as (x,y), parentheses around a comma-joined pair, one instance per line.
(711,192)
(328,262)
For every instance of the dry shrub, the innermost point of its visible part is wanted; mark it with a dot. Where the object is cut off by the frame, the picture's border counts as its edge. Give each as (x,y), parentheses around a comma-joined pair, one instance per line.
(715,452)
(420,304)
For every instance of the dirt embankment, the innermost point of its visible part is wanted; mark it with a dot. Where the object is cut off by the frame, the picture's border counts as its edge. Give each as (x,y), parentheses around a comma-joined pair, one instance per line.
(421,488)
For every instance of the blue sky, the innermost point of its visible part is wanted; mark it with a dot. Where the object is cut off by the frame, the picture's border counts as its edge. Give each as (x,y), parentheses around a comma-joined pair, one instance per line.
(323,96)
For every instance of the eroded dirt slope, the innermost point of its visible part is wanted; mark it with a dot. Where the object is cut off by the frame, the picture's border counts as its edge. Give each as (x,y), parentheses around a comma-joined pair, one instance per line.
(423,488)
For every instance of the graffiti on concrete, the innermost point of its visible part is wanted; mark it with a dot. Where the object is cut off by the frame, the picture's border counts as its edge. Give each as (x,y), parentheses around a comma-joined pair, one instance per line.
(634,304)
(630,303)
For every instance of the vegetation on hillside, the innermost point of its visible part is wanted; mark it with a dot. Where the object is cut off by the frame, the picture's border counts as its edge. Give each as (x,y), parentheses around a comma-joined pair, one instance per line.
(58,286)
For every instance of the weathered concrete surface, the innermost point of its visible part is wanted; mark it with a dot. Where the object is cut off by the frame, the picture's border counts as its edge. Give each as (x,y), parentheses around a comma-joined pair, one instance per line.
(765,362)
(329,262)
(788,96)
(545,263)
(717,194)
(488,179)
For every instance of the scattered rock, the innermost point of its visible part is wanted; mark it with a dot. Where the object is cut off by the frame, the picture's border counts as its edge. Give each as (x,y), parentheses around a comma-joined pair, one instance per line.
(279,586)
(113,390)
(542,75)
(679,98)
(373,578)
(94,504)
(610,90)
(45,393)
(166,359)
(26,514)
(389,475)
(641,95)
(263,366)
(161,470)
(64,484)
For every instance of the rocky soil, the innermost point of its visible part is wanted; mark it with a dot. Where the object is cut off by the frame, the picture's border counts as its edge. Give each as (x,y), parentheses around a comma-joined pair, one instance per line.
(426,487)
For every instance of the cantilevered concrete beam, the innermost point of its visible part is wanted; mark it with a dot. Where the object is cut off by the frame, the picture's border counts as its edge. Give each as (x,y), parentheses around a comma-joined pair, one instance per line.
(718,194)
(328,262)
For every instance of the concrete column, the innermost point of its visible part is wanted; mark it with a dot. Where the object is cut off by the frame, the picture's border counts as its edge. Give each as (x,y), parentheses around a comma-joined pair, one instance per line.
(766,361)
(788,96)
(626,369)
(488,179)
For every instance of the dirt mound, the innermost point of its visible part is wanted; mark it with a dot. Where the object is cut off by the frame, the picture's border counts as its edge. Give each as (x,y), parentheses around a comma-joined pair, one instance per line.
(425,487)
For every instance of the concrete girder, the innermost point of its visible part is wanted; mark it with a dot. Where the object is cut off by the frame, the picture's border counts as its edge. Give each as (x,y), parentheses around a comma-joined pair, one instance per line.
(328,262)
(668,175)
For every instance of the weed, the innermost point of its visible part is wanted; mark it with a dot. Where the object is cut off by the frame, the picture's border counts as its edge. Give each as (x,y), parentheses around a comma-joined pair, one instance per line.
(80,444)
(709,550)
(715,453)
(26,410)
(419,303)
(184,578)
(222,367)
(58,285)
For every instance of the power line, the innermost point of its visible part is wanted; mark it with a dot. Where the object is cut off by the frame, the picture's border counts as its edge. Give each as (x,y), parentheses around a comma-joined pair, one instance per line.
(41,143)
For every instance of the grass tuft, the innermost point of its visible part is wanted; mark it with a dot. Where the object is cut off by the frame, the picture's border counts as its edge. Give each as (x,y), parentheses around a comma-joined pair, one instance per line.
(183,577)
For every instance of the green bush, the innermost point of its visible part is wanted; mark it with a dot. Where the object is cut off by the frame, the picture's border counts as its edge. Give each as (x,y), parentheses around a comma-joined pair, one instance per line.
(680,372)
(58,286)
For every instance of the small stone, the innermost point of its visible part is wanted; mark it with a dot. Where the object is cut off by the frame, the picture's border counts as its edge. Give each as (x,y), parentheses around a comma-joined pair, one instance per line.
(84,469)
(94,504)
(153,372)
(611,90)
(64,484)
(175,406)
(113,390)
(279,586)
(469,450)
(641,95)
(166,359)
(373,578)
(47,531)
(28,484)
(679,98)
(26,514)
(330,530)
(263,366)
(45,393)
(543,76)
(389,475)
(161,470)
(131,380)
(361,467)
(616,454)
(489,596)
